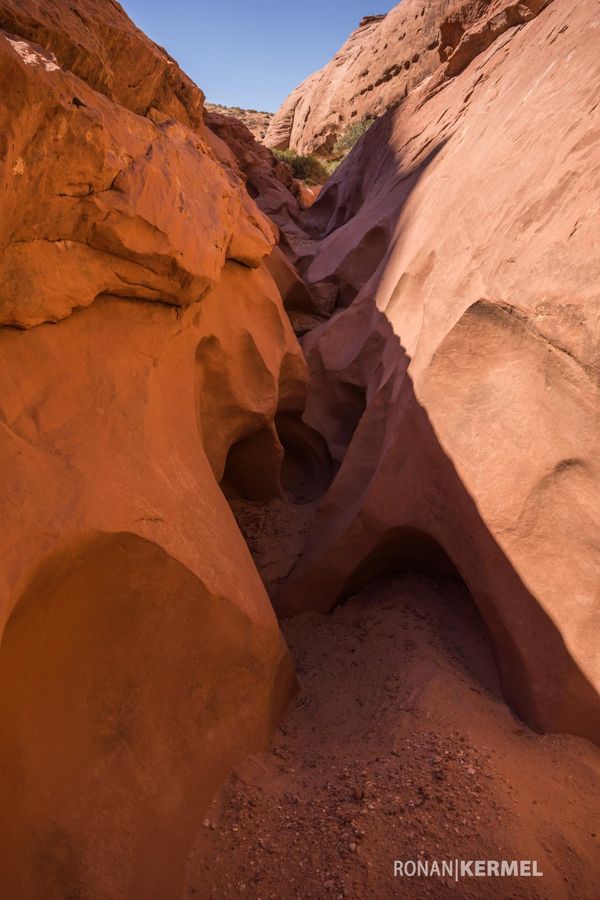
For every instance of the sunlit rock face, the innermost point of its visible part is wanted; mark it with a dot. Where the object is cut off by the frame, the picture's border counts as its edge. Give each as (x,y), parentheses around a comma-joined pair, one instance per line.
(446,284)
(143,339)
(384,60)
(110,202)
(98,42)
(457,382)
(255,121)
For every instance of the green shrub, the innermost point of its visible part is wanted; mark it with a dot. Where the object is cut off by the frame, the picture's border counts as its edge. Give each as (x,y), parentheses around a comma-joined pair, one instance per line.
(332,164)
(351,135)
(305,168)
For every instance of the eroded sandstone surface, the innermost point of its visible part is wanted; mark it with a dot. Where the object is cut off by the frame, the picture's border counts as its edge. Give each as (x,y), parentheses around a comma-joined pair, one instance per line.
(384,60)
(256,122)
(457,381)
(143,339)
(441,413)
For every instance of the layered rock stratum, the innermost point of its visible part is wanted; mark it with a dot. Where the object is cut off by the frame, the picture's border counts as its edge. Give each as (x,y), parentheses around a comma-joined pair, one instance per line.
(441,414)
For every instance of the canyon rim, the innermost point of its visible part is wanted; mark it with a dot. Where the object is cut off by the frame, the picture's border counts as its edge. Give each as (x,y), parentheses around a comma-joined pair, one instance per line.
(300,442)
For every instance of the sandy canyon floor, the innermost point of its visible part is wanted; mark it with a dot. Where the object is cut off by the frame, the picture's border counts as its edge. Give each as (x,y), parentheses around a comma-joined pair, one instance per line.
(398,746)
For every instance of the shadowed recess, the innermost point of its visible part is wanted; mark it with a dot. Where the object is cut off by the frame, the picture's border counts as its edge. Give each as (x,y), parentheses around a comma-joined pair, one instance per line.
(403,550)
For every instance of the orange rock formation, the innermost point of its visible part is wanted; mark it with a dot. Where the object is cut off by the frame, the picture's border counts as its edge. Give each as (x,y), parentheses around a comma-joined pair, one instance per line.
(140,655)
(445,282)
(255,121)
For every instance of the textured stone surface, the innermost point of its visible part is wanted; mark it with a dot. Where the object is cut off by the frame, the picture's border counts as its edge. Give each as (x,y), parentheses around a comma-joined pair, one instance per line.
(99,43)
(269,180)
(457,383)
(385,59)
(255,121)
(106,201)
(140,657)
(262,171)
(278,194)
(154,367)
(380,63)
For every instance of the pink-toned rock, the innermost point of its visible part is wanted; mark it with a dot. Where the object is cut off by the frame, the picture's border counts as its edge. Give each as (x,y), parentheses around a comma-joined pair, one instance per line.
(458,388)
(384,60)
(474,26)
(154,368)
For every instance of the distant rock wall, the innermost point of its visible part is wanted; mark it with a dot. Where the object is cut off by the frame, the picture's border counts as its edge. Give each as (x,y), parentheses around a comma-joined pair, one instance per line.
(384,60)
(255,121)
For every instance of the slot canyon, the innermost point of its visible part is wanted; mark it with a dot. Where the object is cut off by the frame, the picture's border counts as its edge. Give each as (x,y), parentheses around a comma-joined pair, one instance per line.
(300,494)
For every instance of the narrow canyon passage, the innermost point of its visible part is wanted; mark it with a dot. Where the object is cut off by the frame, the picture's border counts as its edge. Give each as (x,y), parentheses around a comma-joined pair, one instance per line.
(300,440)
(398,745)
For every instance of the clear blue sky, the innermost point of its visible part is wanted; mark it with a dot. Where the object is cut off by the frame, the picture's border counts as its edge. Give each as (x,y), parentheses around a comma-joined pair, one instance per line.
(251,53)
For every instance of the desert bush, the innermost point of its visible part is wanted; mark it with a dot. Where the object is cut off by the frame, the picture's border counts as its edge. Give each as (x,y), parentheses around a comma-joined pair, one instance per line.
(332,164)
(351,136)
(305,168)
